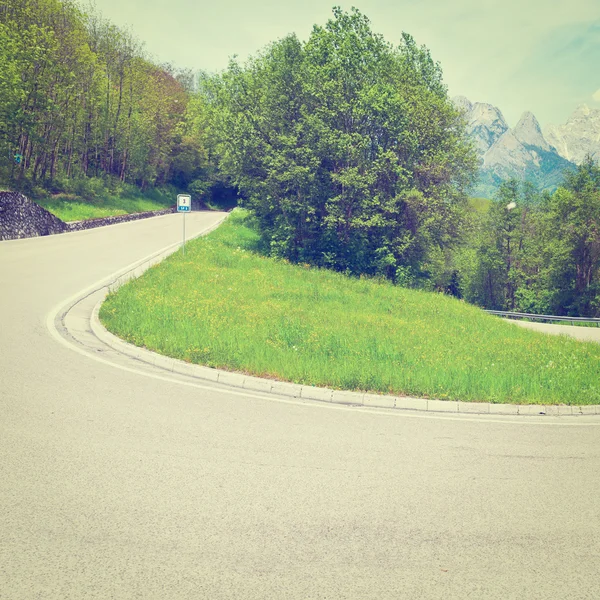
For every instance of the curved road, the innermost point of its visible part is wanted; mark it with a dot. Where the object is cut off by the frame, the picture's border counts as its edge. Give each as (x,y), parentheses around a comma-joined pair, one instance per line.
(117,485)
(584,334)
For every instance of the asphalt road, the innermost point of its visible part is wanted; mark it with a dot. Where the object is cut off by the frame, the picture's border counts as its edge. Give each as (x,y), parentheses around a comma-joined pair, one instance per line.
(118,485)
(585,334)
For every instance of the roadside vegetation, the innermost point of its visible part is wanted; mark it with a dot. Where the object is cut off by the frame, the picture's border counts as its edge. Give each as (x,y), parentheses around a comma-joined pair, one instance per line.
(84,110)
(481,205)
(355,166)
(346,148)
(70,207)
(227,305)
(535,253)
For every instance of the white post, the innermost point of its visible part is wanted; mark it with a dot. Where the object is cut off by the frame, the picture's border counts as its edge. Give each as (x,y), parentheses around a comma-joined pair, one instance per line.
(184,204)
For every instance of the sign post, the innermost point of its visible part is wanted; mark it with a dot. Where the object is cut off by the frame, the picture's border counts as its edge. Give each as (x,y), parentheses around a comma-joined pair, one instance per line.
(184,205)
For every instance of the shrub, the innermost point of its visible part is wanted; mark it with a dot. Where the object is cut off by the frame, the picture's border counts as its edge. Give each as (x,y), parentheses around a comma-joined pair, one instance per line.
(89,188)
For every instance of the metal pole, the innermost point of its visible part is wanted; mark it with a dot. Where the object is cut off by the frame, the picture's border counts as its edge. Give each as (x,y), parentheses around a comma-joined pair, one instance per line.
(184,234)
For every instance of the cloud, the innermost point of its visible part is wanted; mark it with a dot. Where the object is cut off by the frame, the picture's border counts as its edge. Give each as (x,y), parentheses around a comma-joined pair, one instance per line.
(596,95)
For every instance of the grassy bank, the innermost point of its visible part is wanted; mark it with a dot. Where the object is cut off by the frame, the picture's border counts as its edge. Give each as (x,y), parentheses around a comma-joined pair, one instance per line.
(224,305)
(73,208)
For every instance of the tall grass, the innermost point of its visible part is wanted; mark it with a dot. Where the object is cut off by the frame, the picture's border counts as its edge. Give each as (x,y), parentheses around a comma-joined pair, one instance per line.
(225,305)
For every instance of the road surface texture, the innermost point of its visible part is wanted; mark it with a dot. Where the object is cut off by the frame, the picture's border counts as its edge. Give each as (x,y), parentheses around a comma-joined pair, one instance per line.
(117,484)
(586,334)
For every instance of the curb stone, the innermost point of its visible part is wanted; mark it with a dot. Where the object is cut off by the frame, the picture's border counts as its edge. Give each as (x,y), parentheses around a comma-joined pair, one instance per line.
(377,401)
(479,408)
(348,398)
(408,403)
(316,393)
(284,388)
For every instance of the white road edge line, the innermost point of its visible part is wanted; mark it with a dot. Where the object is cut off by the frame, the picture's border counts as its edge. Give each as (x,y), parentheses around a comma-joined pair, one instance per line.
(62,308)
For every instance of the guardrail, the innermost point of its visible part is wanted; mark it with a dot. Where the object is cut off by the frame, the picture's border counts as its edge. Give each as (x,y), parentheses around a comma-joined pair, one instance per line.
(516,315)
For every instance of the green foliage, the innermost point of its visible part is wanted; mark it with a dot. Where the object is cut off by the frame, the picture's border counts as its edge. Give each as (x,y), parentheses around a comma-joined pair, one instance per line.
(501,260)
(481,205)
(72,208)
(197,168)
(270,318)
(573,253)
(346,149)
(79,101)
(543,256)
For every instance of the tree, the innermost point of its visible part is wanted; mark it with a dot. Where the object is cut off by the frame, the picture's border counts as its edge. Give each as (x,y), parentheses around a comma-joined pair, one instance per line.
(504,269)
(79,99)
(573,249)
(346,148)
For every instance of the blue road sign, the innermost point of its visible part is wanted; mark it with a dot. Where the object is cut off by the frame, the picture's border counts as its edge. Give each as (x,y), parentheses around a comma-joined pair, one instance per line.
(184,203)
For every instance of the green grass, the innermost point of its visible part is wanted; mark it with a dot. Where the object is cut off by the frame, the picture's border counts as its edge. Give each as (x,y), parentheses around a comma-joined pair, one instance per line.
(225,305)
(71,208)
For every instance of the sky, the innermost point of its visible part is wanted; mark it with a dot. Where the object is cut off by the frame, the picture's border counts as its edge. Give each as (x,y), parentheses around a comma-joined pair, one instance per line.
(541,56)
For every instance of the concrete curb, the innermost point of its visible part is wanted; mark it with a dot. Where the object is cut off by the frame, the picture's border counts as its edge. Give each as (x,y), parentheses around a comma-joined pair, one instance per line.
(282,388)
(293,390)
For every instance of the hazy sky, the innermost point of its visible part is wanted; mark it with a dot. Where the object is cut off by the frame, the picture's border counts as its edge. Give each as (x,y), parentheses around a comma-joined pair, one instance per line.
(537,55)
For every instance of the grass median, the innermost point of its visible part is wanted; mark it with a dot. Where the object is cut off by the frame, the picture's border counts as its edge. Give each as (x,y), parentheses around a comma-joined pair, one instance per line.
(225,305)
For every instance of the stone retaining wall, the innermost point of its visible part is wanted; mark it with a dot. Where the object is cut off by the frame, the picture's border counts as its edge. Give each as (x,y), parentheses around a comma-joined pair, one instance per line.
(23,218)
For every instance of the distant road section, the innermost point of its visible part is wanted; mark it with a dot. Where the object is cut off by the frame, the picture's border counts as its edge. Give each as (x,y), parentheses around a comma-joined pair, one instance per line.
(585,334)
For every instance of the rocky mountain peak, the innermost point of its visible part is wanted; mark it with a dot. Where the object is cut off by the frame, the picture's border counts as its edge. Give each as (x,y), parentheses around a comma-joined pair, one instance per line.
(485,123)
(523,152)
(463,103)
(528,120)
(529,132)
(579,136)
(583,110)
(488,113)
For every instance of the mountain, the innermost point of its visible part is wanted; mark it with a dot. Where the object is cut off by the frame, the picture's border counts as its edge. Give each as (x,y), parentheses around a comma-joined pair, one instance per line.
(509,157)
(523,152)
(579,136)
(485,123)
(529,132)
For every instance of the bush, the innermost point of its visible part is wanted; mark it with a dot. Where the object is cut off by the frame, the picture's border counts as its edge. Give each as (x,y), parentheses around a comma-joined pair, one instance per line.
(89,188)
(61,185)
(199,189)
(37,192)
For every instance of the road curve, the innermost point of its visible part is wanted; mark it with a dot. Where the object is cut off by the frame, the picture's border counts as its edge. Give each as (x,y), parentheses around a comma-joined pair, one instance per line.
(584,334)
(116,484)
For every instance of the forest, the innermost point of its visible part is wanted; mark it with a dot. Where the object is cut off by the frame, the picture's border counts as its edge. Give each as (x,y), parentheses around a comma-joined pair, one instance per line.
(345,147)
(82,107)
